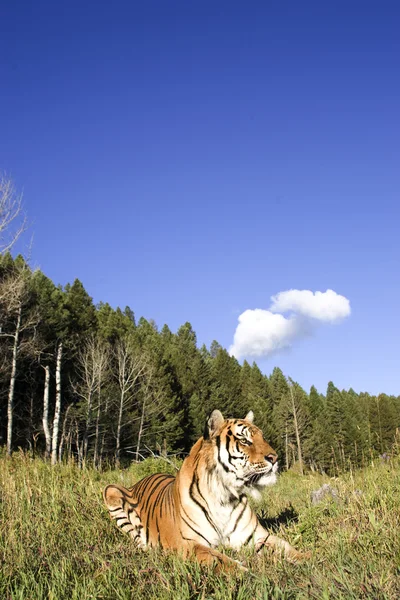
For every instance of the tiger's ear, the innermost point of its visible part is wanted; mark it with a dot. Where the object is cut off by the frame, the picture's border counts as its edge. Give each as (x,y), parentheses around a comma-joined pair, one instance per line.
(213,424)
(249,417)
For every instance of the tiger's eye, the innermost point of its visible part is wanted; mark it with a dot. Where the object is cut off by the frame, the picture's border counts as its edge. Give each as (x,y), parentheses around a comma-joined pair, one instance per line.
(246,442)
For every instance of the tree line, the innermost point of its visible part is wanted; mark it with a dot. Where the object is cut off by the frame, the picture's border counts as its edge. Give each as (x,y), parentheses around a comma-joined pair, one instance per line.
(93,384)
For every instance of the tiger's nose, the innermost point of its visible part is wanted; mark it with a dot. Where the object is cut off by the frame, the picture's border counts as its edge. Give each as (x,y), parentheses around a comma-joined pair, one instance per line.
(272,458)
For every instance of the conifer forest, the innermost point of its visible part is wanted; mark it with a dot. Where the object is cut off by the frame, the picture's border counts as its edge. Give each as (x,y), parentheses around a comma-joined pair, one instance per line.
(98,385)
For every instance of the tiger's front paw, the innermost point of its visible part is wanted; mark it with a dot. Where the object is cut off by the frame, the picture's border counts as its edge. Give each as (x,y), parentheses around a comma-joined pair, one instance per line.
(295,557)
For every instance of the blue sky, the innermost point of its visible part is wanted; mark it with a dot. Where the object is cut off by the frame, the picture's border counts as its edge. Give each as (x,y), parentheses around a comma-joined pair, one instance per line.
(194,159)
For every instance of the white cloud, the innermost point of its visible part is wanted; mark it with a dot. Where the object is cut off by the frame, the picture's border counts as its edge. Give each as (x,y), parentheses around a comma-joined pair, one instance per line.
(264,332)
(324,306)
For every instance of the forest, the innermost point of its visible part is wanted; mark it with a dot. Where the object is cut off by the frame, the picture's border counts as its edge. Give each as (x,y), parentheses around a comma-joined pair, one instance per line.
(94,384)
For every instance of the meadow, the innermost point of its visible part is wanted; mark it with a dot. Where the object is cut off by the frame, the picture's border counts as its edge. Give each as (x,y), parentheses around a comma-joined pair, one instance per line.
(57,541)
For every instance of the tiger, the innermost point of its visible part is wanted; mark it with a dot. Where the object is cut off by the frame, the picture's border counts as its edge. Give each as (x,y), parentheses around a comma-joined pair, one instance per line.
(206,505)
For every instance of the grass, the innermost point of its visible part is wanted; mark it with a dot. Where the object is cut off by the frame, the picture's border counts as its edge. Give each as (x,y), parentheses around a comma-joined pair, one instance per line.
(56,540)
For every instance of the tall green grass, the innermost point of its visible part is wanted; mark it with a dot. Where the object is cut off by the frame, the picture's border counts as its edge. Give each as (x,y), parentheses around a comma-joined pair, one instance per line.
(57,541)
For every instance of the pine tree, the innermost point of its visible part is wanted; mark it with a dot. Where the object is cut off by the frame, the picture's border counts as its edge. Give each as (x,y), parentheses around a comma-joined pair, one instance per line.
(279,394)
(226,385)
(382,420)
(256,394)
(356,429)
(161,394)
(181,354)
(343,427)
(317,448)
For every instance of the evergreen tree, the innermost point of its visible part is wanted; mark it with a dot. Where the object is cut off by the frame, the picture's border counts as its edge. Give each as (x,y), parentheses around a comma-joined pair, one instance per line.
(318,451)
(279,394)
(181,354)
(226,385)
(345,431)
(256,394)
(113,324)
(356,429)
(164,426)
(215,348)
(81,315)
(382,421)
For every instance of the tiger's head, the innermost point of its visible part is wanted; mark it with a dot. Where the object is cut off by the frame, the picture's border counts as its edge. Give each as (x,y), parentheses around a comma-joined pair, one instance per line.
(246,462)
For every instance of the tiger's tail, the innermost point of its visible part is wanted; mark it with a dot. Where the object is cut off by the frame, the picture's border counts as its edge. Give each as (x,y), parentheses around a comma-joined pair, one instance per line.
(122,509)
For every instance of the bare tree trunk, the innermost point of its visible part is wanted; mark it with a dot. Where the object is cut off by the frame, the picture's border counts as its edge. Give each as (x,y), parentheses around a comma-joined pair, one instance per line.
(97,430)
(31,432)
(57,411)
(63,434)
(103,437)
(92,365)
(131,366)
(69,444)
(78,446)
(296,428)
(286,446)
(14,295)
(85,441)
(96,439)
(140,431)
(10,404)
(69,441)
(379,422)
(45,420)
(119,427)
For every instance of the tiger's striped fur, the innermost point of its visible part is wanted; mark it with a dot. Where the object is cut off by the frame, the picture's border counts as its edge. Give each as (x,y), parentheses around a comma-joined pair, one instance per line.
(206,504)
